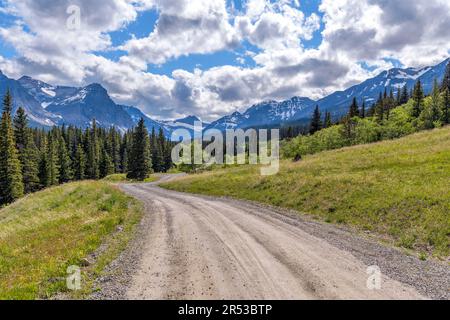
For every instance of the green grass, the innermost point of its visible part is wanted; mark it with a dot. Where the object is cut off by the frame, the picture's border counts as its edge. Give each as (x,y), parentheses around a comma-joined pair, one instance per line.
(399,190)
(44,233)
(122,178)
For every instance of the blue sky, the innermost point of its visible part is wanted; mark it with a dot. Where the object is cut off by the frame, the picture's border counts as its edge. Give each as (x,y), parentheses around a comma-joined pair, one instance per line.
(6,50)
(173,58)
(147,20)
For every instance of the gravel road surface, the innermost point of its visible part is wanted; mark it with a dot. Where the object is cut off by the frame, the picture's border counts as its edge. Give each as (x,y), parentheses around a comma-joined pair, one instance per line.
(197,247)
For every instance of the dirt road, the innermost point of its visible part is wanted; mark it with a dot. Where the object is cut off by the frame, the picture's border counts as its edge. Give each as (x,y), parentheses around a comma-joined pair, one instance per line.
(194,247)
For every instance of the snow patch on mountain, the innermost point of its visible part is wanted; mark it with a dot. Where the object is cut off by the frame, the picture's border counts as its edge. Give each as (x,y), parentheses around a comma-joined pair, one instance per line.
(79,97)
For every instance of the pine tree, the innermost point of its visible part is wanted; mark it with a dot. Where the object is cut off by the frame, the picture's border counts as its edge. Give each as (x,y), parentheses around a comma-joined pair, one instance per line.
(161,146)
(156,152)
(114,141)
(445,112)
(168,156)
(354,109)
(43,174)
(389,104)
(106,165)
(72,142)
(316,122)
(327,121)
(446,80)
(52,162)
(166,152)
(124,149)
(30,166)
(92,152)
(20,129)
(404,98)
(435,102)
(28,153)
(11,180)
(79,163)
(7,103)
(139,161)
(64,162)
(379,109)
(418,97)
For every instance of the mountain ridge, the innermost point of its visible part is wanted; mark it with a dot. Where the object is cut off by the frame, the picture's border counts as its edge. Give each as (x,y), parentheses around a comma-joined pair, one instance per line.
(49,105)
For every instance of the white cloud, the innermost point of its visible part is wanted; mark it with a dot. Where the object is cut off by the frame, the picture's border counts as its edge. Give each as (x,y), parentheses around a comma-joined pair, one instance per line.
(414,32)
(47,47)
(195,26)
(184,27)
(7,66)
(277,25)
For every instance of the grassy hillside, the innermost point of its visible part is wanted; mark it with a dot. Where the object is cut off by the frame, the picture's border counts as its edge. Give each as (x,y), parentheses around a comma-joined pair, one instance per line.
(44,233)
(122,178)
(398,188)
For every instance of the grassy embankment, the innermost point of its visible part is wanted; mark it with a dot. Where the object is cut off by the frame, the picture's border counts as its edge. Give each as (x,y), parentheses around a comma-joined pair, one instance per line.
(122,178)
(44,233)
(398,189)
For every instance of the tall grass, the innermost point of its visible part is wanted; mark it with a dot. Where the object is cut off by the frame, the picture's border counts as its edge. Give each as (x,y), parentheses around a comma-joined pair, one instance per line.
(44,233)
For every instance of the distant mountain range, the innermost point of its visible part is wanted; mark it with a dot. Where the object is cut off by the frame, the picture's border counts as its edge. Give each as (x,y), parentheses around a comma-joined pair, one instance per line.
(265,114)
(48,105)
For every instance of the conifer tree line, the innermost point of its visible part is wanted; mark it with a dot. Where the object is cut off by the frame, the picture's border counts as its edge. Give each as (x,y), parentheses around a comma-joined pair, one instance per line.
(32,159)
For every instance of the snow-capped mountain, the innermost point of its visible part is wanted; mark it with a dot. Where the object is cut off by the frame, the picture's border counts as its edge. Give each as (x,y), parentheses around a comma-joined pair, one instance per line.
(275,113)
(48,105)
(265,114)
(37,115)
(369,90)
(78,106)
(233,121)
(41,91)
(87,103)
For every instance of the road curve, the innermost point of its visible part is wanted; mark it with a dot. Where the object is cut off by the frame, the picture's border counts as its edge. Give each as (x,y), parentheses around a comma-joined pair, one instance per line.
(196,247)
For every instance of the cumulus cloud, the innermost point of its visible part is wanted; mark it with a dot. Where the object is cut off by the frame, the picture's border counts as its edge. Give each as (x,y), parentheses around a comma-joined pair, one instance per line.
(45,42)
(276,25)
(194,26)
(412,32)
(184,27)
